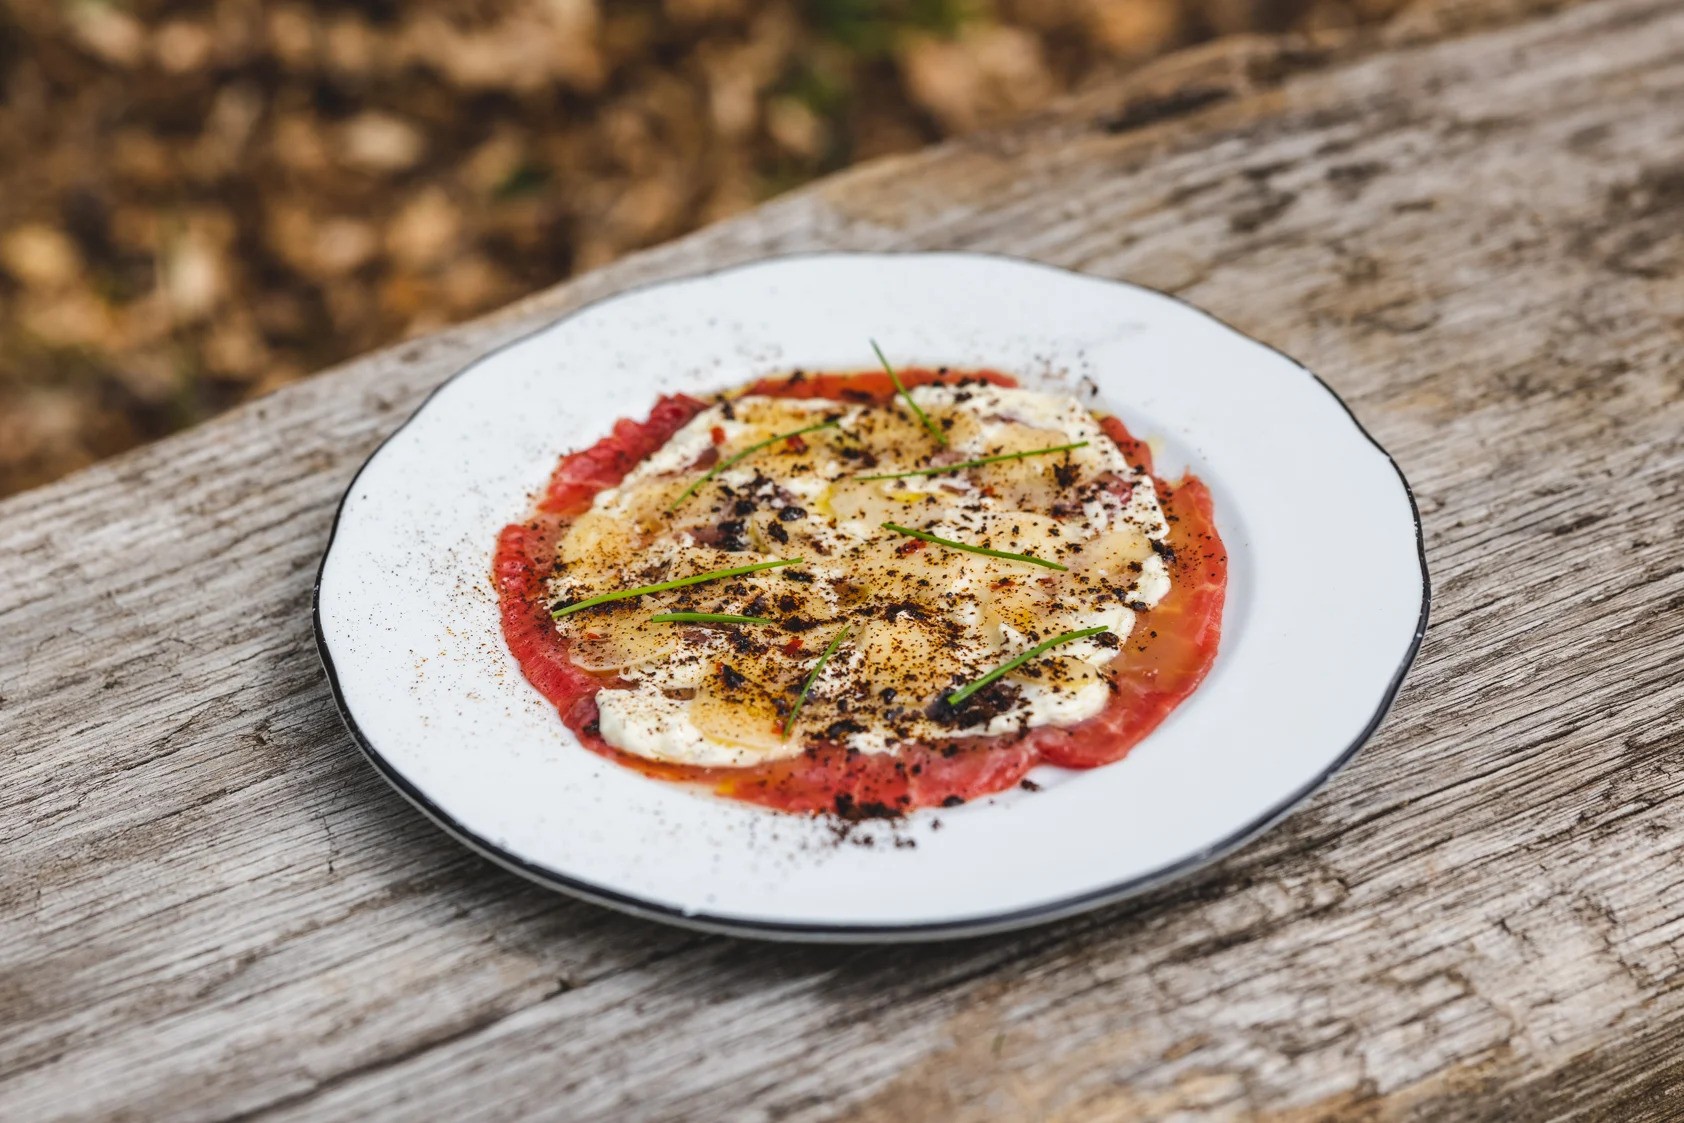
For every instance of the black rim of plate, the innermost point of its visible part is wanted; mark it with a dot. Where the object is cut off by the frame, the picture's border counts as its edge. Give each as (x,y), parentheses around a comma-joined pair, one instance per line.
(861,933)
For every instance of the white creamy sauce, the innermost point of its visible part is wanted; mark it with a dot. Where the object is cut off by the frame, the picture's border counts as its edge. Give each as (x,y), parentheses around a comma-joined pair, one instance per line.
(923,618)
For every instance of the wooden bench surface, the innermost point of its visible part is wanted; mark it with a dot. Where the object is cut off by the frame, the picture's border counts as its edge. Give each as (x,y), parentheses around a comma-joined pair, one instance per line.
(211,908)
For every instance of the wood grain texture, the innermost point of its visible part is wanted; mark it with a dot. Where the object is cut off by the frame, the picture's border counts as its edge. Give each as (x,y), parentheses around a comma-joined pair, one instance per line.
(210,908)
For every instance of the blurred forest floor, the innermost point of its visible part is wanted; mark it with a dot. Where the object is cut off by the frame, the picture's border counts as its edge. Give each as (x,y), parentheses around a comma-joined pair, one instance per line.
(200,201)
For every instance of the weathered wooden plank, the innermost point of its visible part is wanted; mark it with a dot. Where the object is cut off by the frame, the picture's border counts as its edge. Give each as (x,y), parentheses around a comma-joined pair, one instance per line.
(210,908)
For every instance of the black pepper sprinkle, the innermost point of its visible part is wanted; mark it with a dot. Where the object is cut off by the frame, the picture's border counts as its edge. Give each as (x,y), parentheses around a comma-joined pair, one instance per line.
(791,513)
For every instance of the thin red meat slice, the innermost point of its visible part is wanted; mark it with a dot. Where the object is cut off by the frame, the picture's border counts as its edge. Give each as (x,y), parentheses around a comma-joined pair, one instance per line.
(1159,665)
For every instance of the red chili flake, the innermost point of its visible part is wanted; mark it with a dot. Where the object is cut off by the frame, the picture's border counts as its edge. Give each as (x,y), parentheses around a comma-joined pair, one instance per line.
(796,445)
(593,635)
(910,546)
(718,435)
(793,647)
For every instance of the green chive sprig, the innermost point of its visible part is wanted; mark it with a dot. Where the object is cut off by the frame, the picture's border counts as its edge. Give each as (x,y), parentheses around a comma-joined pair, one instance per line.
(970,549)
(1013,664)
(642,590)
(813,676)
(741,456)
(977,463)
(706,618)
(935,430)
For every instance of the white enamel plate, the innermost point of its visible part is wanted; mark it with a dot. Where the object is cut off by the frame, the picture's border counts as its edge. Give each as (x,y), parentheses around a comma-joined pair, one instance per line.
(1327,601)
